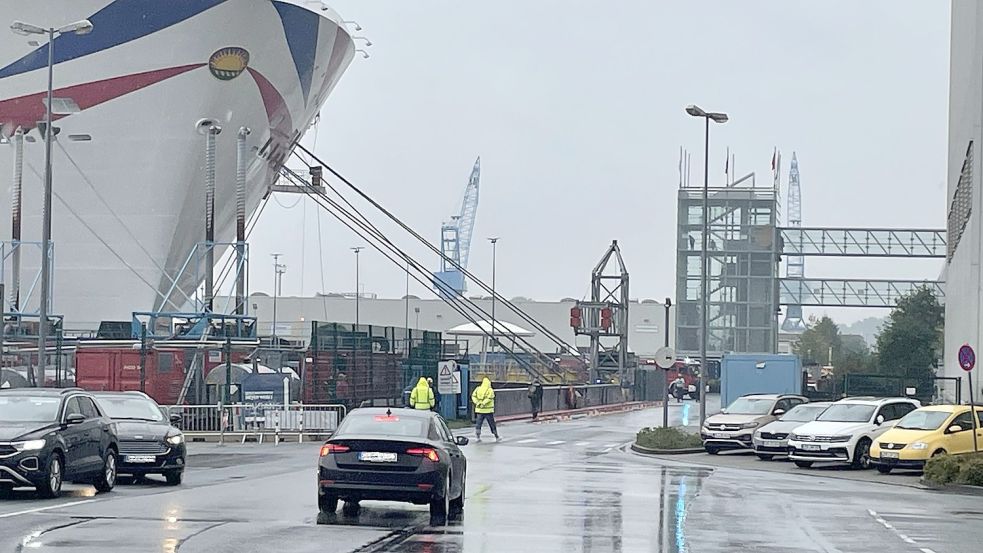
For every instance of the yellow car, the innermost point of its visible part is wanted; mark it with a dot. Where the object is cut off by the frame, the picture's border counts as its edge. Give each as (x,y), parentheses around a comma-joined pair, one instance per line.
(926,432)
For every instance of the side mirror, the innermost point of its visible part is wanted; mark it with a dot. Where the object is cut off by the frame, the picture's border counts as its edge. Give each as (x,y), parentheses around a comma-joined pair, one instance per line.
(175,418)
(879,420)
(954,428)
(778,412)
(74,418)
(461,440)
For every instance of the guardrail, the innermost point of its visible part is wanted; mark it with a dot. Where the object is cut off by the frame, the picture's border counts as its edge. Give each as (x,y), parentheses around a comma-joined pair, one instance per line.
(257,420)
(515,401)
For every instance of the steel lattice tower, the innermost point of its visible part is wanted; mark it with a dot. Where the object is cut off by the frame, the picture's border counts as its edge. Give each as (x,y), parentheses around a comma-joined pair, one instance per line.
(795,266)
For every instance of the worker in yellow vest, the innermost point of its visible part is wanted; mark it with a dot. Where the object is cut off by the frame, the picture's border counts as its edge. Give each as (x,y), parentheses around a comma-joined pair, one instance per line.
(422,396)
(483,398)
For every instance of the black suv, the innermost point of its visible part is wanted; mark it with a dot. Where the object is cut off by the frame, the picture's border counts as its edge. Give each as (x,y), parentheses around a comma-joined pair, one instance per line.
(51,435)
(148,442)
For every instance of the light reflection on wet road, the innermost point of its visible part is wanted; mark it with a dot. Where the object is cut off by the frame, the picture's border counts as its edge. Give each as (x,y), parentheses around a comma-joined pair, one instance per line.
(558,487)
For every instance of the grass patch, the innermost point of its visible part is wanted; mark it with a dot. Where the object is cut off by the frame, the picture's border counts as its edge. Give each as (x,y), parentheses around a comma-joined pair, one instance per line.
(667,438)
(955,469)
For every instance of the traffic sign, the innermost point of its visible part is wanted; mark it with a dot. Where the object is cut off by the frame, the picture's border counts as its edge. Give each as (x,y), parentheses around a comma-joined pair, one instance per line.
(967,357)
(448,378)
(665,358)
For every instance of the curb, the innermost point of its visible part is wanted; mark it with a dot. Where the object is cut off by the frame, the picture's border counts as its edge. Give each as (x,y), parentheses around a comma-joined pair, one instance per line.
(648,451)
(957,489)
(583,412)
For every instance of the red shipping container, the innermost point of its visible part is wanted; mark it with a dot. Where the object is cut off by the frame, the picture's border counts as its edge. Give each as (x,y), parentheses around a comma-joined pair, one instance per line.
(117,369)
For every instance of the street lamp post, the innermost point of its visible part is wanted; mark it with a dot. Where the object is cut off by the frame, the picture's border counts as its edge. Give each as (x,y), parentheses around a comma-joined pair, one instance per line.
(494,243)
(704,259)
(278,270)
(356,249)
(665,391)
(82,27)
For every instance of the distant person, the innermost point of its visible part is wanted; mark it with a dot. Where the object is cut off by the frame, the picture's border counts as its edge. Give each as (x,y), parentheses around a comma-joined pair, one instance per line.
(692,242)
(483,398)
(535,395)
(436,393)
(421,397)
(677,388)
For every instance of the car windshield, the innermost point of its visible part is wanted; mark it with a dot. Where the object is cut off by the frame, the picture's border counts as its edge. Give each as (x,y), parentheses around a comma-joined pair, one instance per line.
(848,412)
(923,420)
(750,406)
(804,413)
(28,409)
(383,425)
(131,408)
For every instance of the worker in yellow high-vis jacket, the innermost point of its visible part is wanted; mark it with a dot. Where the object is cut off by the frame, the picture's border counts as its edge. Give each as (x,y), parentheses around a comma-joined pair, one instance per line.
(483,398)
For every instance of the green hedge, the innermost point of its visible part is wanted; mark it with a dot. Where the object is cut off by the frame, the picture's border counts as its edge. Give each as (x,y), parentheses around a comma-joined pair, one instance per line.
(955,469)
(667,438)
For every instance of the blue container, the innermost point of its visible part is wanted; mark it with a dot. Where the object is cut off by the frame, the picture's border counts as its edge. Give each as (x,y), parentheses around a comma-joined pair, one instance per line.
(758,373)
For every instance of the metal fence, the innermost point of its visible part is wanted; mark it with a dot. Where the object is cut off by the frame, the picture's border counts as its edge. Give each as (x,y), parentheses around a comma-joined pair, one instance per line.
(257,420)
(515,401)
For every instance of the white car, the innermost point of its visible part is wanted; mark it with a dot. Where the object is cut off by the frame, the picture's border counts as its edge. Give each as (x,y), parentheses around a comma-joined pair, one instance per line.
(846,429)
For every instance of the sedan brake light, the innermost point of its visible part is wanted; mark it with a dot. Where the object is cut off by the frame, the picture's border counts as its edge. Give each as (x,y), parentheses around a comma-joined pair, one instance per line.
(427,452)
(328,449)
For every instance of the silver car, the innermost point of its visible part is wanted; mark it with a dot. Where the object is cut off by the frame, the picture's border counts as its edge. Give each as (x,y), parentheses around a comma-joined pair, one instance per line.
(732,427)
(771,440)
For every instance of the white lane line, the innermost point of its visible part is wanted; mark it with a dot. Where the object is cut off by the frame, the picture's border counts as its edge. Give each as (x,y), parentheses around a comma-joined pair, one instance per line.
(527,441)
(927,550)
(48,508)
(609,446)
(581,444)
(606,450)
(557,442)
(906,539)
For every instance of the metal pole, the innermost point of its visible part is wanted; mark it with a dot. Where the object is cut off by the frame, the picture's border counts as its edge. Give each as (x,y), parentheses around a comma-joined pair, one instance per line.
(704,277)
(665,387)
(357,294)
(972,411)
(228,371)
(276,278)
(241,153)
(494,242)
(210,216)
(143,357)
(15,218)
(46,224)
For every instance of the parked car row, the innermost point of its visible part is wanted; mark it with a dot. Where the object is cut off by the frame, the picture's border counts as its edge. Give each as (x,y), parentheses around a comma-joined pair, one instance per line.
(863,432)
(52,435)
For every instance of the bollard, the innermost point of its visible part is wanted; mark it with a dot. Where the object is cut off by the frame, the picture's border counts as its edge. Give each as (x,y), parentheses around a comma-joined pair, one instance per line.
(276,430)
(300,437)
(223,420)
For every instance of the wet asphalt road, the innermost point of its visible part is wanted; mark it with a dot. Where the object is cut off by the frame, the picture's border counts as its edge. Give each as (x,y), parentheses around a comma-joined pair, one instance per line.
(568,486)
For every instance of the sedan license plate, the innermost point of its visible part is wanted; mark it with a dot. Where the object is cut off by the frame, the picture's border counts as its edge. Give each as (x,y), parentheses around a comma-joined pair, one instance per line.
(889,455)
(377,457)
(719,435)
(810,447)
(772,443)
(140,459)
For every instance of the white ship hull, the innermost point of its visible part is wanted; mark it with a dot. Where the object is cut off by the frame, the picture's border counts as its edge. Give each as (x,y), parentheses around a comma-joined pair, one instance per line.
(129,203)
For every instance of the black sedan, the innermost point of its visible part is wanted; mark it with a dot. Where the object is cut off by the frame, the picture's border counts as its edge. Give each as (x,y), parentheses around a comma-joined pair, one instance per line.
(392,455)
(48,436)
(148,442)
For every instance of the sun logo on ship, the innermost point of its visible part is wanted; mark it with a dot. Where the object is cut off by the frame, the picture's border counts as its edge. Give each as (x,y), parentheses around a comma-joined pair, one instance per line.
(227,63)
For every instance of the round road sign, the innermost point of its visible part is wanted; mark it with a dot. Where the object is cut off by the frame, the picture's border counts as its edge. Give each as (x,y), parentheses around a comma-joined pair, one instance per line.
(665,358)
(967,357)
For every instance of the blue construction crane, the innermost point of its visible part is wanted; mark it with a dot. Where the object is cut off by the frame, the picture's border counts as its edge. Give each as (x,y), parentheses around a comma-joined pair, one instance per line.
(455,240)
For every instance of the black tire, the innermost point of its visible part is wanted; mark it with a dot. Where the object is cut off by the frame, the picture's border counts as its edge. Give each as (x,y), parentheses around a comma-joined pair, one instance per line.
(457,504)
(327,504)
(884,470)
(351,508)
(174,477)
(939,452)
(440,505)
(6,490)
(107,476)
(861,455)
(50,487)
(803,464)
(712,450)
(325,518)
(765,457)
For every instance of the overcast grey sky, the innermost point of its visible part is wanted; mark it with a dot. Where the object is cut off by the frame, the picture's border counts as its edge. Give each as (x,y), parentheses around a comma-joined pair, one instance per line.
(576,109)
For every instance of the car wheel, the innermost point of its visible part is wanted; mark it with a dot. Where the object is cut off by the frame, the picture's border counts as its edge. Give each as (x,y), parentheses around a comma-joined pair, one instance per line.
(765,457)
(861,455)
(50,487)
(327,504)
(107,477)
(939,452)
(803,464)
(440,506)
(457,504)
(884,470)
(712,450)
(6,490)
(174,477)
(351,508)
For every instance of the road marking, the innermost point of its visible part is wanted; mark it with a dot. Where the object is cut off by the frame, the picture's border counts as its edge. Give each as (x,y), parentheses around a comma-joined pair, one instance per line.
(927,550)
(48,508)
(581,444)
(527,441)
(889,526)
(557,442)
(609,446)
(906,539)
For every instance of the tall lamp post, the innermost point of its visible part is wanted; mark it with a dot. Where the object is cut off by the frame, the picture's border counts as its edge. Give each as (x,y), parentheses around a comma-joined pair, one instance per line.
(704,259)
(82,27)
(278,270)
(494,243)
(356,249)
